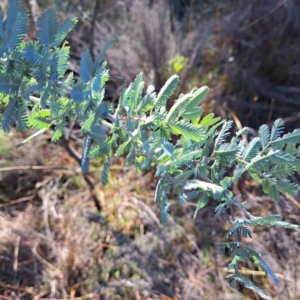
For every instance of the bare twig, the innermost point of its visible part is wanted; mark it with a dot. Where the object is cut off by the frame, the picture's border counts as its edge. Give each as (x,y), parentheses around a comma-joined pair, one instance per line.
(93,26)
(14,168)
(16,254)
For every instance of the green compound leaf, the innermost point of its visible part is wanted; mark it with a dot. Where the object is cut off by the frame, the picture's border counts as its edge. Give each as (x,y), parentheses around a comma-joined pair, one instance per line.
(21,114)
(106,171)
(188,130)
(238,277)
(12,15)
(101,150)
(39,122)
(226,153)
(289,138)
(252,149)
(86,67)
(10,115)
(197,97)
(192,114)
(98,133)
(47,25)
(272,220)
(200,204)
(81,92)
(277,130)
(34,52)
(264,134)
(286,187)
(209,120)
(102,52)
(85,158)
(9,87)
(224,133)
(147,103)
(216,190)
(66,26)
(18,32)
(58,131)
(166,92)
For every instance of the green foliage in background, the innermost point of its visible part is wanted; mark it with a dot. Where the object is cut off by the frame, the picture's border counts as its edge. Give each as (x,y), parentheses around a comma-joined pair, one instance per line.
(193,155)
(177,64)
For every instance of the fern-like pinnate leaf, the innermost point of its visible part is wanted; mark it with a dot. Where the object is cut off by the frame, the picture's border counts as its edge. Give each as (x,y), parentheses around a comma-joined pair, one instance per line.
(282,171)
(277,130)
(204,186)
(39,122)
(272,220)
(146,103)
(289,138)
(9,87)
(209,120)
(21,114)
(200,204)
(81,92)
(19,29)
(86,67)
(226,153)
(34,53)
(193,132)
(223,134)
(59,63)
(256,257)
(102,52)
(239,226)
(178,108)
(238,277)
(98,133)
(66,26)
(58,131)
(137,89)
(12,15)
(192,114)
(270,189)
(10,114)
(166,91)
(286,187)
(286,225)
(252,149)
(197,97)
(106,171)
(264,134)
(85,158)
(265,221)
(47,25)
(101,150)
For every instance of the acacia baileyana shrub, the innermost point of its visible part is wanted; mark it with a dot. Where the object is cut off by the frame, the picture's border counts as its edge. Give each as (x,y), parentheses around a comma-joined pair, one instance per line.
(195,167)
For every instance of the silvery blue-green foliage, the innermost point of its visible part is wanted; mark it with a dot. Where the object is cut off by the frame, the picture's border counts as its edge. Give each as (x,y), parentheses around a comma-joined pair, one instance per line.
(192,153)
